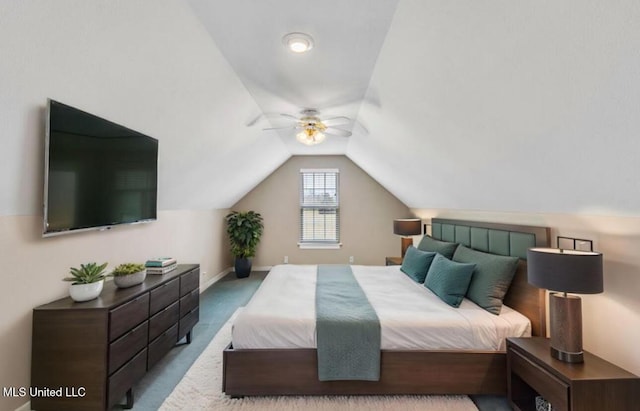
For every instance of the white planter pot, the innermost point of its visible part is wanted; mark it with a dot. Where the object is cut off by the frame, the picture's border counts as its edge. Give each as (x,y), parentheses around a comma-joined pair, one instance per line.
(85,292)
(124,281)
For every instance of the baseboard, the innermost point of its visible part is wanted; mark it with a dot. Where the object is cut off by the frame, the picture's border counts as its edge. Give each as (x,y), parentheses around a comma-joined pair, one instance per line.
(226,271)
(25,407)
(215,278)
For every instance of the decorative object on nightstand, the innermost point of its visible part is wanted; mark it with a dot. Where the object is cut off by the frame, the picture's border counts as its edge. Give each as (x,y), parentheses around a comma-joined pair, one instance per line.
(567,271)
(407,227)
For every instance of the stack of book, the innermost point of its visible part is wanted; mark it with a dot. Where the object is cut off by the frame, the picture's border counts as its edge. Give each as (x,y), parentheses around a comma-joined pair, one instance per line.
(161,265)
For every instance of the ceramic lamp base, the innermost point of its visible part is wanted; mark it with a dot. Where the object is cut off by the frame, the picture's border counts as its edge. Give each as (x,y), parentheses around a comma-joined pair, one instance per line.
(566,327)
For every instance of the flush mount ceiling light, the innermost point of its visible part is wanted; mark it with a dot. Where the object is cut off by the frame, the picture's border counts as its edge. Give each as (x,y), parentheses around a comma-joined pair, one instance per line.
(298,42)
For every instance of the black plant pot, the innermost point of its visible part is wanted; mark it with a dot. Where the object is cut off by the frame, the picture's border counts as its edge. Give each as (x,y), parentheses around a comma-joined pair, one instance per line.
(243,267)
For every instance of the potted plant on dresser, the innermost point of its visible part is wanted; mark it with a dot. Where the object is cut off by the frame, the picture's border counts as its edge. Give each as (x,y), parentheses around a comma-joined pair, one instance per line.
(244,230)
(128,274)
(86,281)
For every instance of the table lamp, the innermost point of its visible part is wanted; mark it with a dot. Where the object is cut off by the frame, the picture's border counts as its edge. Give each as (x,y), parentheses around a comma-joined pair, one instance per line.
(566,271)
(407,227)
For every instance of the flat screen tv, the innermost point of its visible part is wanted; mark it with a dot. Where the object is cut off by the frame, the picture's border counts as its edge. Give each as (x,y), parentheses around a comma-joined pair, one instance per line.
(97,173)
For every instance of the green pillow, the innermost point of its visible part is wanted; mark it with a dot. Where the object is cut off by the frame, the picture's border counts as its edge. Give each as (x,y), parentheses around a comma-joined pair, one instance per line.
(491,278)
(430,244)
(449,280)
(416,263)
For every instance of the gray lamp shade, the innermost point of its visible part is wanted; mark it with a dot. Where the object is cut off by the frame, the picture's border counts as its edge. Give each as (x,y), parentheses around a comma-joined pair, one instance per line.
(407,226)
(569,271)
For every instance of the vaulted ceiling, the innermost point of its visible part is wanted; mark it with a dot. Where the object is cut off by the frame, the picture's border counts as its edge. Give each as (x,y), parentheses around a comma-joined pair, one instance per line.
(477,105)
(332,77)
(513,106)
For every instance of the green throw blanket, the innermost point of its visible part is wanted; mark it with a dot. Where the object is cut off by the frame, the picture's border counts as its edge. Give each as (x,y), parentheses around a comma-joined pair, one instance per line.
(347,327)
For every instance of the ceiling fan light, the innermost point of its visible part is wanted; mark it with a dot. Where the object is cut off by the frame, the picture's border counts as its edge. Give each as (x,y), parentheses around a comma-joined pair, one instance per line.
(298,42)
(310,137)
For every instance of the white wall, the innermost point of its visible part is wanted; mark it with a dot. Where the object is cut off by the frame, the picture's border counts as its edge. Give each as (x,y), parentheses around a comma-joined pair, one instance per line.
(150,66)
(507,105)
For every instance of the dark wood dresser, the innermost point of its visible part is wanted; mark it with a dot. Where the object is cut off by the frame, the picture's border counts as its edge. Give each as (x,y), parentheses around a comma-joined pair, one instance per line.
(88,356)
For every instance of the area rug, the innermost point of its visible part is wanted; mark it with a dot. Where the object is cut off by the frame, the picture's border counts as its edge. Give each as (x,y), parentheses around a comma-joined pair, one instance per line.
(201,389)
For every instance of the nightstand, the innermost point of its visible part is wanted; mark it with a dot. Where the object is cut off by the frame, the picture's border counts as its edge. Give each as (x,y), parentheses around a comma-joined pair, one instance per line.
(593,385)
(393,261)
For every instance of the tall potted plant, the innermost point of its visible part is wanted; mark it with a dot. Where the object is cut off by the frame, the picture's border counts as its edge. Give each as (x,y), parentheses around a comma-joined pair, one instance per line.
(244,230)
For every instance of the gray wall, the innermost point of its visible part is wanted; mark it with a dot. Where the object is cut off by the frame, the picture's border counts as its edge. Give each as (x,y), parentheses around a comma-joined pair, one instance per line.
(367,211)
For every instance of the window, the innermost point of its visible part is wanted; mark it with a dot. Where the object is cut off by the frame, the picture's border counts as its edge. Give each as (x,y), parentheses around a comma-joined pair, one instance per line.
(319,208)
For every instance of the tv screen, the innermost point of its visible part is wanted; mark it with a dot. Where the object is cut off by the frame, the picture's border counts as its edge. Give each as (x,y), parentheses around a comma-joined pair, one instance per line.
(97,173)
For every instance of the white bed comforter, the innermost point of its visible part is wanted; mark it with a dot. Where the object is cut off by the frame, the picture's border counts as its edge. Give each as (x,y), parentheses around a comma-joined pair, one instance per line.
(281,314)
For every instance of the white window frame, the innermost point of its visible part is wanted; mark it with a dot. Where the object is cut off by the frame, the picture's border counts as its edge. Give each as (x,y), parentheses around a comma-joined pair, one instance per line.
(319,243)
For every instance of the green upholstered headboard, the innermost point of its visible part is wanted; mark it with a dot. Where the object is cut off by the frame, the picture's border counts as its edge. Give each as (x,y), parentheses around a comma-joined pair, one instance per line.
(504,239)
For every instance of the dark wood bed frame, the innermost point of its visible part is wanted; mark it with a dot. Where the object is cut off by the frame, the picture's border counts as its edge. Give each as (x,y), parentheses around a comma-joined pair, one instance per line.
(294,371)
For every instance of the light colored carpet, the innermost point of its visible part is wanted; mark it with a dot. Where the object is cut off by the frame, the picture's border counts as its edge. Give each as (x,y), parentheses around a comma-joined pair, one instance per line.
(201,389)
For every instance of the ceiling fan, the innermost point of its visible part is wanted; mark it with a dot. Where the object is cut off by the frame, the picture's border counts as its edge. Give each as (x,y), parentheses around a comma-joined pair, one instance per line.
(311,128)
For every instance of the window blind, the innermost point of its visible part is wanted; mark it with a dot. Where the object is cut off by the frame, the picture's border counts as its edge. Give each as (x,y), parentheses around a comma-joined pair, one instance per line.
(319,206)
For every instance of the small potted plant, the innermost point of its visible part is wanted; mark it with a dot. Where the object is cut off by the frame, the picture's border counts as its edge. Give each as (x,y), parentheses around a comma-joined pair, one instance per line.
(245,230)
(128,274)
(86,281)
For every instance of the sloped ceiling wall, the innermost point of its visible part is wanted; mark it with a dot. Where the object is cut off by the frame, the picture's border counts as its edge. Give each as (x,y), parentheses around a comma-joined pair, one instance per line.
(151,67)
(503,105)
(514,106)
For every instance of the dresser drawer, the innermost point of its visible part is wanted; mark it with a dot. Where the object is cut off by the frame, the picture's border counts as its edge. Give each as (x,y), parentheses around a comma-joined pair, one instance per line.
(164,295)
(127,316)
(547,385)
(189,282)
(162,345)
(125,347)
(189,301)
(188,321)
(163,320)
(126,377)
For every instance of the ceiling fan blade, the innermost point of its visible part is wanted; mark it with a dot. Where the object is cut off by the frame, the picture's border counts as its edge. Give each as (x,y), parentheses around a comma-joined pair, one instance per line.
(257,118)
(331,131)
(289,116)
(254,120)
(293,127)
(362,127)
(334,121)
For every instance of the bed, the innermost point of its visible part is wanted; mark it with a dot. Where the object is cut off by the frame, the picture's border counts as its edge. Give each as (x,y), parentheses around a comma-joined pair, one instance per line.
(289,366)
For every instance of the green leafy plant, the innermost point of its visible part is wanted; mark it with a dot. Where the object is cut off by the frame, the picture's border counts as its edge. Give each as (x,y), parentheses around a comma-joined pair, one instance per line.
(87,273)
(244,230)
(126,269)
